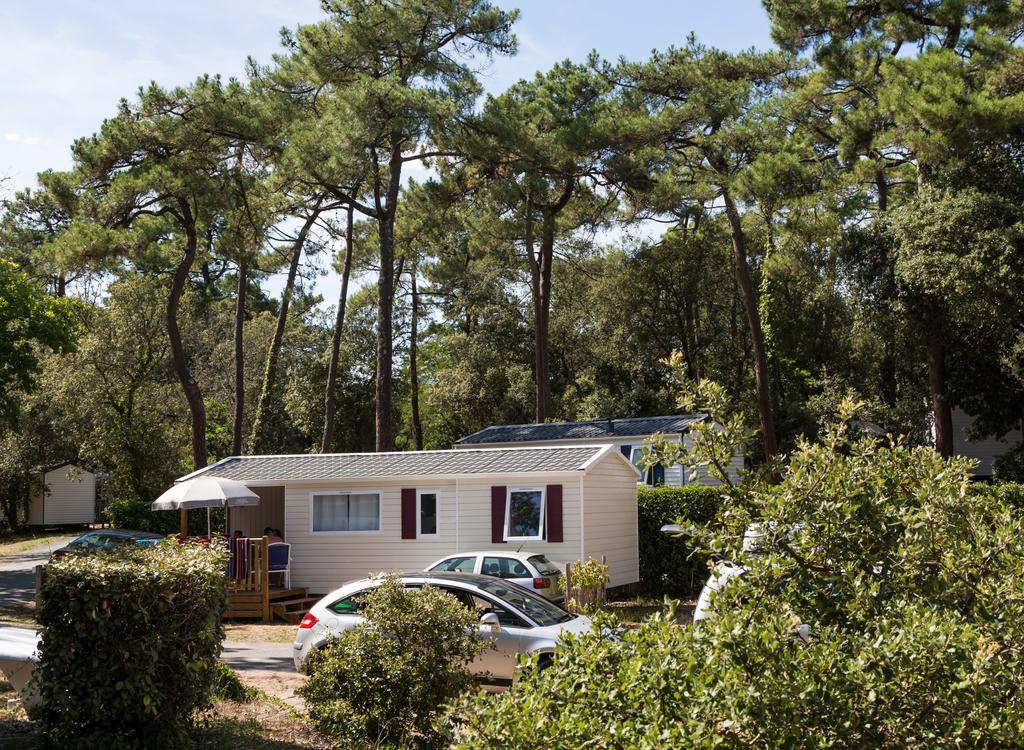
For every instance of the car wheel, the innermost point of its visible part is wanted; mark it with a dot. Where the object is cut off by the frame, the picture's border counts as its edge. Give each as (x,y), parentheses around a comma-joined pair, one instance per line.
(544,661)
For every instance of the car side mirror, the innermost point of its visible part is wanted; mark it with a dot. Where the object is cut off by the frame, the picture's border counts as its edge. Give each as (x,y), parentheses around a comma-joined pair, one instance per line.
(490,620)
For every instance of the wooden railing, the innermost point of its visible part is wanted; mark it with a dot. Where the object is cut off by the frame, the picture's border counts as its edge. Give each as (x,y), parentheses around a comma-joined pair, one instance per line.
(257,570)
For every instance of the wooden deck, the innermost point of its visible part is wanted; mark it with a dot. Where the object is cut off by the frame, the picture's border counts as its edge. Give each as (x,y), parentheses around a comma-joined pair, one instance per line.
(250,592)
(285,605)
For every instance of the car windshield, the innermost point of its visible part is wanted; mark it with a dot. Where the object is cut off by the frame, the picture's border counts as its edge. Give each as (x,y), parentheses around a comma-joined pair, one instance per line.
(544,566)
(541,611)
(455,565)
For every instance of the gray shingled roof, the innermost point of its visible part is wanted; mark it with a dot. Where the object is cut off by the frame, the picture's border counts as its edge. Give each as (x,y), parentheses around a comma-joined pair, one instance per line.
(602,429)
(395,465)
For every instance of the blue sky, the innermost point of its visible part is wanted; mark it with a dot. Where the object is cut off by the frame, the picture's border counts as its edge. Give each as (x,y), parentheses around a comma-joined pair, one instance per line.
(64,64)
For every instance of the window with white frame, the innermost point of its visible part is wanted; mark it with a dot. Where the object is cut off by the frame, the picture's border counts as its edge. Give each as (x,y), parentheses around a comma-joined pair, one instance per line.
(524,514)
(427,507)
(346,511)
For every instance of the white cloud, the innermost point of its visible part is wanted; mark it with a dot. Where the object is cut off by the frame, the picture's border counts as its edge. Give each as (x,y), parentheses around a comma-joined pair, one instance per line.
(25,140)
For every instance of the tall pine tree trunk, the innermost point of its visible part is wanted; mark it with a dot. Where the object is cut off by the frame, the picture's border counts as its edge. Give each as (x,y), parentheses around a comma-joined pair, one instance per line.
(414,380)
(761,375)
(257,440)
(193,394)
(330,398)
(236,428)
(941,411)
(542,317)
(385,439)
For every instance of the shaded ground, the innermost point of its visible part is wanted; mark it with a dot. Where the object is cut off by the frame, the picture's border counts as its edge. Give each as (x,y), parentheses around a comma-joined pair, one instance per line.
(279,685)
(16,731)
(633,612)
(247,655)
(18,579)
(260,725)
(264,724)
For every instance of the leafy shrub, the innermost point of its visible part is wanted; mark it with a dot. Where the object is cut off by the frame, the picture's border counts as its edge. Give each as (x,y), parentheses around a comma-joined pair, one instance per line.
(227,686)
(671,565)
(1009,467)
(1010,493)
(588,581)
(129,644)
(906,577)
(386,683)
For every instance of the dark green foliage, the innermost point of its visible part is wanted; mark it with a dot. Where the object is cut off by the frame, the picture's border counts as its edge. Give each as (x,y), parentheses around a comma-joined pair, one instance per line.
(129,645)
(906,579)
(134,513)
(29,319)
(387,685)
(671,565)
(1010,466)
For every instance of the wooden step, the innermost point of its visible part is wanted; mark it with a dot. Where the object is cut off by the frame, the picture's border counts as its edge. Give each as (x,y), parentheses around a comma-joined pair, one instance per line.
(304,603)
(293,610)
(284,604)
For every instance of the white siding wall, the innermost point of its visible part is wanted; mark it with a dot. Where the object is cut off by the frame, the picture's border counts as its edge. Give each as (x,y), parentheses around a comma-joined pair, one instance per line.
(610,520)
(323,562)
(985,450)
(70,496)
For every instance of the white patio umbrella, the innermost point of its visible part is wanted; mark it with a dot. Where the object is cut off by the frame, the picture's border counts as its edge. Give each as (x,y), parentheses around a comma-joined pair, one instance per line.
(206,492)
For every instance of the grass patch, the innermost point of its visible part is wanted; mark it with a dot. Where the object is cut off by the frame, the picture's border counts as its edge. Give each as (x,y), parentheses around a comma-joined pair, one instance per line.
(22,541)
(261,723)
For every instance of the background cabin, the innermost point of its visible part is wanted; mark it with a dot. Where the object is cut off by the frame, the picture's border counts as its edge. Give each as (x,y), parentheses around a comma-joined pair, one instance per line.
(626,435)
(67,498)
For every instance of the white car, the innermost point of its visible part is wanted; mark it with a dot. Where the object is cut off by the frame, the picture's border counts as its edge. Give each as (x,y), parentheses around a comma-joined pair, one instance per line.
(515,620)
(720,575)
(530,570)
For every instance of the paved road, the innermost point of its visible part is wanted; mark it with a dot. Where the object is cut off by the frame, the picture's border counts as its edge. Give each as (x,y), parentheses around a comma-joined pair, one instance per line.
(252,655)
(17,572)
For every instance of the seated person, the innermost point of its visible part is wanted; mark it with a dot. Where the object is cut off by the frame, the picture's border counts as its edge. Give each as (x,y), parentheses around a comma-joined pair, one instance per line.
(272,536)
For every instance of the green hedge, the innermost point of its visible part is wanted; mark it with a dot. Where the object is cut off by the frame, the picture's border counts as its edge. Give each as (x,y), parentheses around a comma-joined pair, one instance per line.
(132,513)
(1011,493)
(129,645)
(668,565)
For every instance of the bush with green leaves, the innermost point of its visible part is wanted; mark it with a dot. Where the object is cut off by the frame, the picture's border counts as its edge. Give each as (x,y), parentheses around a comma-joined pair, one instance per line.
(885,610)
(671,565)
(385,683)
(586,581)
(229,687)
(129,647)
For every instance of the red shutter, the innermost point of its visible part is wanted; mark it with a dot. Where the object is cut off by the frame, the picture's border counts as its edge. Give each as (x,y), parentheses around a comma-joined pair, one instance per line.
(498,495)
(553,522)
(408,513)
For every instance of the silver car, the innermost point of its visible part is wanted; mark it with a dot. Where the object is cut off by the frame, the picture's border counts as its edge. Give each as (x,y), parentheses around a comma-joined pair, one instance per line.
(531,570)
(514,619)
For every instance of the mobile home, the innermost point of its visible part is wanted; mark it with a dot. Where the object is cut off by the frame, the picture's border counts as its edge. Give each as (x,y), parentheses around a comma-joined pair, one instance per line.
(348,515)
